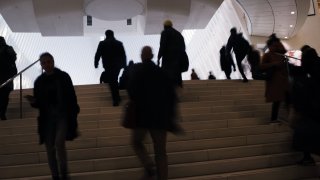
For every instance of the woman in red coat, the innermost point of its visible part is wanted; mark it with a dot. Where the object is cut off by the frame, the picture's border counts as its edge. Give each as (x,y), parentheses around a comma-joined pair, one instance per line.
(277,84)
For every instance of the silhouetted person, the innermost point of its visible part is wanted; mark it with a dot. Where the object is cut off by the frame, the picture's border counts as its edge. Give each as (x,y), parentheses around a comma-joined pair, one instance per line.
(211,76)
(7,70)
(277,85)
(194,75)
(113,60)
(240,48)
(306,101)
(226,62)
(125,75)
(155,103)
(54,96)
(254,61)
(172,50)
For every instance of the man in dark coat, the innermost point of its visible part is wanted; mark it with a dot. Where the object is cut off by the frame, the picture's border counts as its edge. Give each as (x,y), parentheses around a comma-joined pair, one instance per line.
(172,50)
(7,70)
(155,104)
(240,47)
(55,97)
(113,60)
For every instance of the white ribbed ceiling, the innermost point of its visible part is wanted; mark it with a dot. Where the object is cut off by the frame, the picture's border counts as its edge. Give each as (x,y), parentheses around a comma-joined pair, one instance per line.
(68,17)
(283,17)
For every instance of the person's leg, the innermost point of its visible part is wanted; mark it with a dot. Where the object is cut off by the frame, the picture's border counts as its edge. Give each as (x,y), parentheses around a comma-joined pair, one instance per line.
(275,111)
(137,137)
(159,138)
(4,101)
(61,147)
(239,64)
(114,86)
(227,73)
(51,151)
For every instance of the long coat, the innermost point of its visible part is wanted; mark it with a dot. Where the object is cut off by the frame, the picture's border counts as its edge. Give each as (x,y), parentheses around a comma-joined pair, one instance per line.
(278,85)
(153,95)
(172,49)
(7,65)
(44,97)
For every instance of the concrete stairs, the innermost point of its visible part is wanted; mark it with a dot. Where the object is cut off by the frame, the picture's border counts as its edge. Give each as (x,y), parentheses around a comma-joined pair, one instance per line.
(227,137)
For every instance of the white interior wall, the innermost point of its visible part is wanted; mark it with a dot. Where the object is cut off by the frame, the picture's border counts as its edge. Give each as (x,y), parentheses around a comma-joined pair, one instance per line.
(75,55)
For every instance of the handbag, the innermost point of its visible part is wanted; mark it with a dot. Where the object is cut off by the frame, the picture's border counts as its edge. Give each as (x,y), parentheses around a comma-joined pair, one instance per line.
(129,119)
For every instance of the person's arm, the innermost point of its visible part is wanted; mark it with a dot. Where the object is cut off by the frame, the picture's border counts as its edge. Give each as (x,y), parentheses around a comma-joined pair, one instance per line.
(163,42)
(98,55)
(229,46)
(124,57)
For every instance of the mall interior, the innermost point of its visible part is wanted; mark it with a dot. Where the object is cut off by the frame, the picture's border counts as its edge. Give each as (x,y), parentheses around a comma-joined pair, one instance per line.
(227,133)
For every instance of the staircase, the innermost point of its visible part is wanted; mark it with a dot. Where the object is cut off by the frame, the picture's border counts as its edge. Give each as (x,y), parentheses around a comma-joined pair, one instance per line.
(228,137)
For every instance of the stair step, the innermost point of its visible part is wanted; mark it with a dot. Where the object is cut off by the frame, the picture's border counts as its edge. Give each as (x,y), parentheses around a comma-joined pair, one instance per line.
(175,170)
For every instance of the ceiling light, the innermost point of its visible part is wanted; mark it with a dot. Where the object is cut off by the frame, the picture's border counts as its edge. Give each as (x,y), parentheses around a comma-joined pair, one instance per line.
(291,25)
(292,12)
(286,37)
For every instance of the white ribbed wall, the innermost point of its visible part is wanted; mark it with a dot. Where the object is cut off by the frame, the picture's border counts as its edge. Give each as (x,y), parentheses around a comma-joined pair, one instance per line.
(75,55)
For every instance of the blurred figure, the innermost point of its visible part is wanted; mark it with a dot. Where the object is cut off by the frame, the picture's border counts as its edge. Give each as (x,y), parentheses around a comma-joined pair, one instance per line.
(211,76)
(226,62)
(54,96)
(113,60)
(240,48)
(194,75)
(277,85)
(155,103)
(7,70)
(172,51)
(254,61)
(306,103)
(125,75)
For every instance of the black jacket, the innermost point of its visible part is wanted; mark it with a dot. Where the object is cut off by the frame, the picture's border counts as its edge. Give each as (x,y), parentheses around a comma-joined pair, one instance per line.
(44,97)
(153,95)
(112,53)
(7,65)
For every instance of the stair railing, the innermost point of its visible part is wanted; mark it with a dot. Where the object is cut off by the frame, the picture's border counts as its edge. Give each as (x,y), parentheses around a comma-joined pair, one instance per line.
(19,74)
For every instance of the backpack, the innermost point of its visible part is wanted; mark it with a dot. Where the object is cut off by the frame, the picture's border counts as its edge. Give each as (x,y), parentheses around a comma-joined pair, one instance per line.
(184,62)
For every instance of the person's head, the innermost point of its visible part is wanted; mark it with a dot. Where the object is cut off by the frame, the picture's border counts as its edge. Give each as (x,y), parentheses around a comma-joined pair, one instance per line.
(210,72)
(167,24)
(146,54)
(304,48)
(192,70)
(2,41)
(272,40)
(309,56)
(47,62)
(233,31)
(109,34)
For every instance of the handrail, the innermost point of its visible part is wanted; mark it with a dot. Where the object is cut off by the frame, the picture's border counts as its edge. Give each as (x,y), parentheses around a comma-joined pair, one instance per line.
(19,74)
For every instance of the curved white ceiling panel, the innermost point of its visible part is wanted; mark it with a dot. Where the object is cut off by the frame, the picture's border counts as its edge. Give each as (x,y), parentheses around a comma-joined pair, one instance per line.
(59,17)
(19,15)
(114,10)
(283,17)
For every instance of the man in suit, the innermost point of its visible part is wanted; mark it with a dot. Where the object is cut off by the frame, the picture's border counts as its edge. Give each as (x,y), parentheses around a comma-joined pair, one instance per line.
(113,60)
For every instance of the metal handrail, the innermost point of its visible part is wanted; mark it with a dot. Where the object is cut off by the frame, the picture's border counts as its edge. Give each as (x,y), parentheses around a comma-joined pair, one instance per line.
(19,74)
